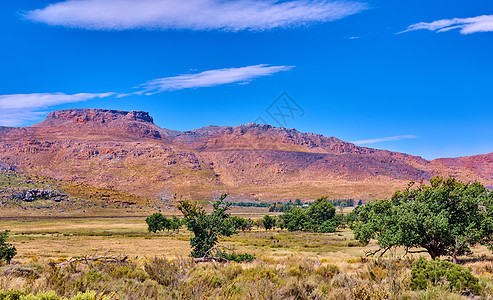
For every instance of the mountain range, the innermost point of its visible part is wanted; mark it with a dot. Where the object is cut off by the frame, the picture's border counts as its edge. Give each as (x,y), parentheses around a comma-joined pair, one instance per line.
(126,151)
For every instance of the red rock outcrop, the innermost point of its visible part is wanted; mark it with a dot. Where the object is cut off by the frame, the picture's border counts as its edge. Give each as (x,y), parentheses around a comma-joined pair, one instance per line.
(127,151)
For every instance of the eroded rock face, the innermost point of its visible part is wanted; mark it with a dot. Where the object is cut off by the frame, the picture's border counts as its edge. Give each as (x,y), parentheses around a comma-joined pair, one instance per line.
(128,152)
(101,116)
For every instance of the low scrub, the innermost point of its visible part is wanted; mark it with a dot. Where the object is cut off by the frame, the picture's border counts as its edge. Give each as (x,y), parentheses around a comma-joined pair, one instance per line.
(443,273)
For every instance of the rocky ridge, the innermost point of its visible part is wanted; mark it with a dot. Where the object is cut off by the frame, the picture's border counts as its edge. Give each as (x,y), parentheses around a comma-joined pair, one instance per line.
(127,151)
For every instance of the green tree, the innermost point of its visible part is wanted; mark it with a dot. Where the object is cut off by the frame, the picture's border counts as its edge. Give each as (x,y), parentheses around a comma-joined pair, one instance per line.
(157,222)
(7,250)
(294,219)
(240,223)
(207,228)
(444,218)
(175,223)
(319,212)
(268,222)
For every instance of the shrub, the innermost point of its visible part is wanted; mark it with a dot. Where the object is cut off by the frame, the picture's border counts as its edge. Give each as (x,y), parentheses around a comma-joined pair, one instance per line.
(163,271)
(242,257)
(11,295)
(437,272)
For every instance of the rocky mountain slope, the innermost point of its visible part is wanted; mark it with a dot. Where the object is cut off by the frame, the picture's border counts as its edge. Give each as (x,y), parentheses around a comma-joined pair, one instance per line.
(128,152)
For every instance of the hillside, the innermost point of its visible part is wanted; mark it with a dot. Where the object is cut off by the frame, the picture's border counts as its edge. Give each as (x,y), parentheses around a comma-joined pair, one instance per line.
(126,151)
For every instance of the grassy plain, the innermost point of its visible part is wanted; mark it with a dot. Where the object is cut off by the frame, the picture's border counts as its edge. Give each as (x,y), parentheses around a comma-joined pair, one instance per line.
(288,265)
(57,238)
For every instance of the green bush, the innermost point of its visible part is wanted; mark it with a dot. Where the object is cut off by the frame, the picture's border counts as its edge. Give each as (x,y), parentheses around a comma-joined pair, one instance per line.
(436,272)
(242,257)
(11,295)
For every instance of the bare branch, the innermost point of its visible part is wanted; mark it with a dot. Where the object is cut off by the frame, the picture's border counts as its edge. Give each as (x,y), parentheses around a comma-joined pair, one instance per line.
(211,258)
(94,258)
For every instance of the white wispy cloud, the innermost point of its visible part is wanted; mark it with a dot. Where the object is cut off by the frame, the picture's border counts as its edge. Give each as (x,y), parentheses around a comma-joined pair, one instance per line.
(209,78)
(465,25)
(18,109)
(15,117)
(37,100)
(229,15)
(385,139)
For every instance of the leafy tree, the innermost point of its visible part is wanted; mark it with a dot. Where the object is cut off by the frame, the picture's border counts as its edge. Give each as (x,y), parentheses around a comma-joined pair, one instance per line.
(175,223)
(319,212)
(268,222)
(157,222)
(7,250)
(294,219)
(320,216)
(207,228)
(240,223)
(444,218)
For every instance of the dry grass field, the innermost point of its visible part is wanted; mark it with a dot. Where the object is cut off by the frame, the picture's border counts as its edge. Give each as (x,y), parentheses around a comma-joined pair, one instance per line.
(288,265)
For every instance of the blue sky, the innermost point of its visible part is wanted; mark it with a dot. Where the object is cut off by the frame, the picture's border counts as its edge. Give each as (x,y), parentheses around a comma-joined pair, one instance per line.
(408,76)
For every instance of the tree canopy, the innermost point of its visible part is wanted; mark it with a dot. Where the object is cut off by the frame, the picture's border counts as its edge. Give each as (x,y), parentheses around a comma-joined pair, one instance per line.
(157,222)
(207,228)
(268,222)
(318,217)
(444,218)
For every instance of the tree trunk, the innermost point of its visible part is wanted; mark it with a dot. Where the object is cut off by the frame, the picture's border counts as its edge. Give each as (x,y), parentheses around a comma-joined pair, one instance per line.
(454,256)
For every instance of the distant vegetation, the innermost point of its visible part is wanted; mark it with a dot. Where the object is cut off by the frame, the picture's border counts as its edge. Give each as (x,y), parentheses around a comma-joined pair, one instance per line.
(283,207)
(250,204)
(320,216)
(158,222)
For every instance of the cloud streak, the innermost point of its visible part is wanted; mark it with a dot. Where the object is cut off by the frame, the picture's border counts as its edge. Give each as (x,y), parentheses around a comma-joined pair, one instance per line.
(38,100)
(465,25)
(210,78)
(227,15)
(385,139)
(13,117)
(17,109)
